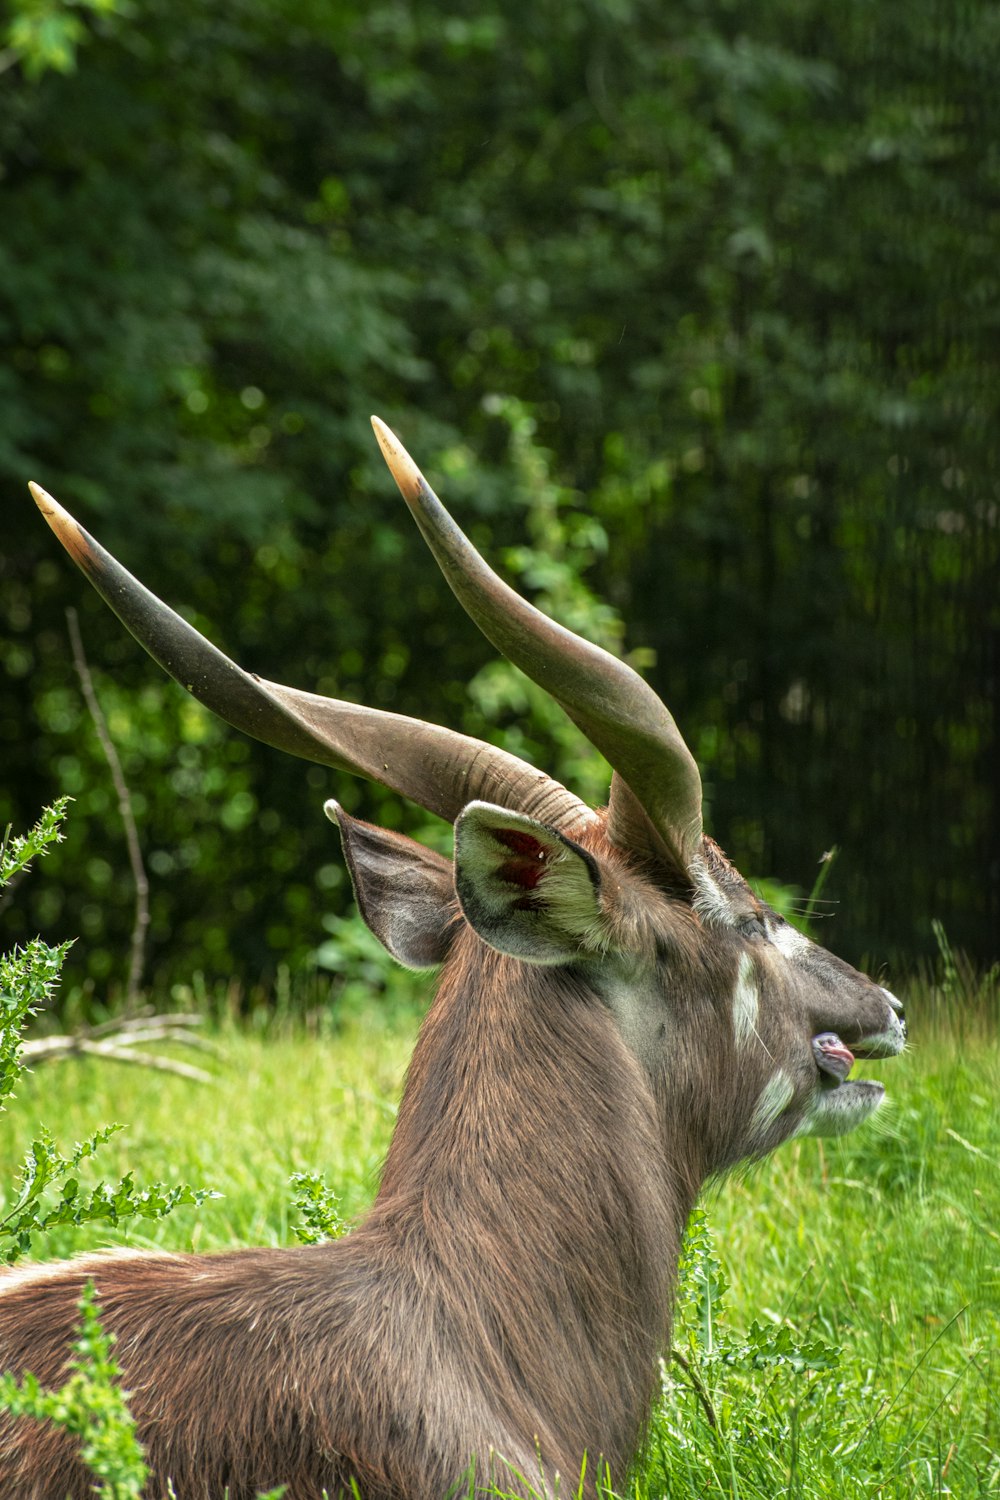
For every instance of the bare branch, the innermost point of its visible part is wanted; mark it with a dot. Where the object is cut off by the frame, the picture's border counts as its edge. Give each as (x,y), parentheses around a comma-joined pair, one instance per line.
(75,1046)
(117,1041)
(141,927)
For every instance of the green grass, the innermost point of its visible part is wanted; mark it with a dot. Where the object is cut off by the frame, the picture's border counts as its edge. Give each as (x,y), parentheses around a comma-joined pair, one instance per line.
(885,1245)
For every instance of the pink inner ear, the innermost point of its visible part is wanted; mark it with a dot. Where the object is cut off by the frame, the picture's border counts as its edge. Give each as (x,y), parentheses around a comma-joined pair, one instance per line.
(529,863)
(519,843)
(522,872)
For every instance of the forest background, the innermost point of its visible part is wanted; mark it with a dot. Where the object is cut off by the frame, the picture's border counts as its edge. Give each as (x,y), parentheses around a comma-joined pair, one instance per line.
(691,309)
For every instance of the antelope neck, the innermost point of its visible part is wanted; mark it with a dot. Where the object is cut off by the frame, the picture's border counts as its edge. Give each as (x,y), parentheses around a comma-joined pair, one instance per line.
(533,1176)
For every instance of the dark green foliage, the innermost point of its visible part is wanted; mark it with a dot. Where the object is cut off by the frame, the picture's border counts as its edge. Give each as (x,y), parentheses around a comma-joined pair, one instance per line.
(46,35)
(722,279)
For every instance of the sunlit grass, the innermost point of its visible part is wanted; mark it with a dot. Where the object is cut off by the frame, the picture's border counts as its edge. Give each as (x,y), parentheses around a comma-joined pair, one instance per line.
(885,1244)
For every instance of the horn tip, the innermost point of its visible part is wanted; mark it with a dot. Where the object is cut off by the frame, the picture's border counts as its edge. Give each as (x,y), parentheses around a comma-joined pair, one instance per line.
(42,498)
(404,471)
(68,530)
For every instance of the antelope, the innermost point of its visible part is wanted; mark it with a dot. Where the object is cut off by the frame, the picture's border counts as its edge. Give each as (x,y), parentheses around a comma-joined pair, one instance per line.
(618,1018)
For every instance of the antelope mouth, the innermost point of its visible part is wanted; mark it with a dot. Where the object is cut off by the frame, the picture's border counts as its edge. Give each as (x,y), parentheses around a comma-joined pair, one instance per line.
(875,1047)
(834,1059)
(840,1103)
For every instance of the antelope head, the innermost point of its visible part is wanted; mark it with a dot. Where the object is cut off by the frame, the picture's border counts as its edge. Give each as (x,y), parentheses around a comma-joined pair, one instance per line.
(744,1030)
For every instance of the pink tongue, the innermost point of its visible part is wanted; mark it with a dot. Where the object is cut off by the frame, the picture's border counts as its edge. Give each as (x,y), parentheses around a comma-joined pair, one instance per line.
(842,1054)
(831,1054)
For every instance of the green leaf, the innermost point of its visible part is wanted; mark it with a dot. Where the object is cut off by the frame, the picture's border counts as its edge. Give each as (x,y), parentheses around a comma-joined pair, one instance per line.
(91,1406)
(319,1207)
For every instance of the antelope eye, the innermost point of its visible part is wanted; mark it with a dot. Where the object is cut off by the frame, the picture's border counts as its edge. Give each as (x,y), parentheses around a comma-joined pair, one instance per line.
(753,927)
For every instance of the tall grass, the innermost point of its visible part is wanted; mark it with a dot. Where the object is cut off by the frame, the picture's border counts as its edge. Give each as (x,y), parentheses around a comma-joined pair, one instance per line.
(880,1253)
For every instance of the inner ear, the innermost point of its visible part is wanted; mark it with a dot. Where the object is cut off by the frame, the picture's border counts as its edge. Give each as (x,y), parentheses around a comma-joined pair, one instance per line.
(526,888)
(405,893)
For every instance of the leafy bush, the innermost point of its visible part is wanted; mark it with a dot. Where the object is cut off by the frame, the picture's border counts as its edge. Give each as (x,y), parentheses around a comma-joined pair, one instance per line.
(91,1406)
(48,1191)
(736,263)
(319,1209)
(712,1409)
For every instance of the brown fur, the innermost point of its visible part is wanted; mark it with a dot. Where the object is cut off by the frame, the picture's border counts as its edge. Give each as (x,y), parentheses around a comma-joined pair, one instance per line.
(506,1299)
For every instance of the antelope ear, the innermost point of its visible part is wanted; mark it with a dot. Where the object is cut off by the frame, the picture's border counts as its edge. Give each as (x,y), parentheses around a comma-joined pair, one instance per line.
(405,893)
(525,888)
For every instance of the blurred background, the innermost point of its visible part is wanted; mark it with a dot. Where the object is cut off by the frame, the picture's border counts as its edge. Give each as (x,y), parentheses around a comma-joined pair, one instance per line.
(690,312)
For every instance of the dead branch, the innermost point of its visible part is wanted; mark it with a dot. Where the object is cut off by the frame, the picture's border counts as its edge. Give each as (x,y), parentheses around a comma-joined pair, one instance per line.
(140,927)
(120,1041)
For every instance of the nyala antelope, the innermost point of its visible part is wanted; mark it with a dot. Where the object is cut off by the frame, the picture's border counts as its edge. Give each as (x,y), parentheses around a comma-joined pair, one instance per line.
(618,1017)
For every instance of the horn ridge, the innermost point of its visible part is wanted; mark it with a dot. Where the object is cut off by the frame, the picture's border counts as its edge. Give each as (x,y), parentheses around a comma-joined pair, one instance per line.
(619,713)
(435,767)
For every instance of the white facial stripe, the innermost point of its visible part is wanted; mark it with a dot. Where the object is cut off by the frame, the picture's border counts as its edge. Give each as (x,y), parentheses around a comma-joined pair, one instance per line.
(787,940)
(746,1002)
(897,1005)
(776,1094)
(711,903)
